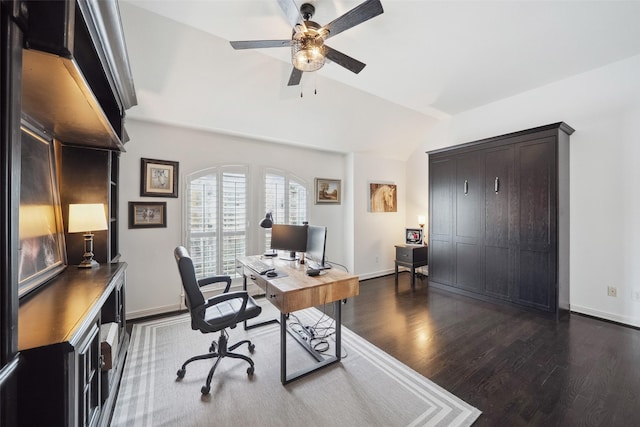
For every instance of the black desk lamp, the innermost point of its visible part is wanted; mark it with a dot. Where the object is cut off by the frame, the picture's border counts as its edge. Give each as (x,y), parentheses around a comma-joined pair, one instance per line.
(267,222)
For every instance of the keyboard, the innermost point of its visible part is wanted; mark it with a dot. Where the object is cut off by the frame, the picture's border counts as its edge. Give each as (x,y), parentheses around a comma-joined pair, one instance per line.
(260,267)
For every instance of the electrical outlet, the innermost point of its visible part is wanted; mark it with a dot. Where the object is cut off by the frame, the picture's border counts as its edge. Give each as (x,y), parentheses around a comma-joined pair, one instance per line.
(635,294)
(612,291)
(377,260)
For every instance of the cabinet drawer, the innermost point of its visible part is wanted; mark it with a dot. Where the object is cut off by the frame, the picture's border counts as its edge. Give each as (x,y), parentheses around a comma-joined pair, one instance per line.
(412,254)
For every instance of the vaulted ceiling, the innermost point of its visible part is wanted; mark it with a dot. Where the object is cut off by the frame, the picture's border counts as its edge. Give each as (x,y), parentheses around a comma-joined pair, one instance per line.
(426,61)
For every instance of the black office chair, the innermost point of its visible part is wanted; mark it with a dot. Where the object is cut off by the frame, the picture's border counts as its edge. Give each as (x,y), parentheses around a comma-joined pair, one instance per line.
(215,314)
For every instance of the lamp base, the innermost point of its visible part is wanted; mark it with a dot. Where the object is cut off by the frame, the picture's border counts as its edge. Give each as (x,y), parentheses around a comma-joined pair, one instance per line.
(89,263)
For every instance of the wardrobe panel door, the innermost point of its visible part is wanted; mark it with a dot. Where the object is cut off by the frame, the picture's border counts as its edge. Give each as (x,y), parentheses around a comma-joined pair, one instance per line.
(469,194)
(536,264)
(441,176)
(535,169)
(499,225)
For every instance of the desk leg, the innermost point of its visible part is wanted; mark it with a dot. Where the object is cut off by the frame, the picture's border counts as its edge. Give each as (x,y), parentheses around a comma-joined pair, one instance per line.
(396,274)
(255,325)
(338,305)
(413,278)
(286,379)
(283,348)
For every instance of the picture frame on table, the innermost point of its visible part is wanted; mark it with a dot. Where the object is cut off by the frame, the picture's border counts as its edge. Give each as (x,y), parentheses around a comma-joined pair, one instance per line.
(414,236)
(158,178)
(328,191)
(147,214)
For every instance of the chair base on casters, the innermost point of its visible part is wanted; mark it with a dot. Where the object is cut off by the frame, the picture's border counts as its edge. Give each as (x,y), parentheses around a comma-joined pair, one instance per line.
(222,352)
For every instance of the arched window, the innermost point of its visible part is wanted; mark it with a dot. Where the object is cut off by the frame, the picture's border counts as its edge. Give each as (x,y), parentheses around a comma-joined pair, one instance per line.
(216,219)
(218,214)
(285,196)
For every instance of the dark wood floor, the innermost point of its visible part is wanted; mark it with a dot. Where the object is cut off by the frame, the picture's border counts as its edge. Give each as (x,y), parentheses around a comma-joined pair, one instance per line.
(517,367)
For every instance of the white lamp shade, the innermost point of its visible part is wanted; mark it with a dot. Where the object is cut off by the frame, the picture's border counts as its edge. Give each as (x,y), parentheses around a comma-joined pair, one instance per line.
(421,219)
(87,217)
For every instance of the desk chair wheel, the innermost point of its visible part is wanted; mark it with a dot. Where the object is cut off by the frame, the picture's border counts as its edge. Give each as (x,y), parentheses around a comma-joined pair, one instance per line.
(212,348)
(205,390)
(181,373)
(252,347)
(250,370)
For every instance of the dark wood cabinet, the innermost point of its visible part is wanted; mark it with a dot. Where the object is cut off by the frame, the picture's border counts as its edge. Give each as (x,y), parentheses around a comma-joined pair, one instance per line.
(58,69)
(494,228)
(60,374)
(412,257)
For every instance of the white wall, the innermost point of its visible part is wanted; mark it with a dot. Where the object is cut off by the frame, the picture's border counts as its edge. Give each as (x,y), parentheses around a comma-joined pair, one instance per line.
(375,234)
(153,284)
(603,106)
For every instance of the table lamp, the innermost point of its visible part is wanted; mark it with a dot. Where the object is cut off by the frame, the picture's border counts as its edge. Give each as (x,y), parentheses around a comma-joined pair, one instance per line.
(267,222)
(86,218)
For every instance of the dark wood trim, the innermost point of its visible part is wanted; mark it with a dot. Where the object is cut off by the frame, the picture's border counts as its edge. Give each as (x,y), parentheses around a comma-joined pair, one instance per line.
(511,137)
(10,98)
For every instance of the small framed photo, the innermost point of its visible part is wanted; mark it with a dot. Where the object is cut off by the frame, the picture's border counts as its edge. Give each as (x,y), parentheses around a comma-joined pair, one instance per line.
(328,191)
(159,178)
(147,214)
(414,236)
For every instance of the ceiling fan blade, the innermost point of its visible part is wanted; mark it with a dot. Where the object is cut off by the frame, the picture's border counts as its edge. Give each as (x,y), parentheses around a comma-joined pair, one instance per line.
(346,61)
(258,44)
(292,13)
(295,77)
(355,16)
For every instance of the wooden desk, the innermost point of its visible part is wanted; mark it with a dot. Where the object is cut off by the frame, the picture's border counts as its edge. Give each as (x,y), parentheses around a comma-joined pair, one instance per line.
(293,290)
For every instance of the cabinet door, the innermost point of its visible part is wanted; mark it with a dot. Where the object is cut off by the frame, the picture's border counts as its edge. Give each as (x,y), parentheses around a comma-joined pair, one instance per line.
(88,364)
(498,212)
(536,255)
(467,239)
(441,178)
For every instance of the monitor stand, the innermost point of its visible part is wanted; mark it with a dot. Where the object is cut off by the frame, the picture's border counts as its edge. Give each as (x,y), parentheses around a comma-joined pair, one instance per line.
(291,257)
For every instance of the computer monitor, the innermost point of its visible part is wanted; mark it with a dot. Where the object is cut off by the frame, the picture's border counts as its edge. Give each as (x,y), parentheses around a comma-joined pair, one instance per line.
(291,238)
(316,246)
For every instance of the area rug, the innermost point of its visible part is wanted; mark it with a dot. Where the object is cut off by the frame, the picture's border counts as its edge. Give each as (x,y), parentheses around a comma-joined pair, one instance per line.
(367,388)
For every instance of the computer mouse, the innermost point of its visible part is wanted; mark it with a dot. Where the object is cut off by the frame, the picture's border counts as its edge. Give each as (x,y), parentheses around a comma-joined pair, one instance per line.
(271,274)
(313,272)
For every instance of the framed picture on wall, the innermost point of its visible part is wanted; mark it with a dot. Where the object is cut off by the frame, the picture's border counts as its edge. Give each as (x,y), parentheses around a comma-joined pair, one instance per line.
(383,197)
(159,178)
(328,191)
(147,214)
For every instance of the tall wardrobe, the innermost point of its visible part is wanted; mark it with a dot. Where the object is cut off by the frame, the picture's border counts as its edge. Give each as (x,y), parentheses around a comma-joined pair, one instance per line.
(499,218)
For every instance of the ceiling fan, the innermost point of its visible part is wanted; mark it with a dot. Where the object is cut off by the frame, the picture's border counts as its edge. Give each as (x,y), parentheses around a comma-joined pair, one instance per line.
(308,51)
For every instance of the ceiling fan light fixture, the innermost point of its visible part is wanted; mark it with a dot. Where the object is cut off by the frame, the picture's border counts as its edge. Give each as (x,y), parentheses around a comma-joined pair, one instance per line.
(307,53)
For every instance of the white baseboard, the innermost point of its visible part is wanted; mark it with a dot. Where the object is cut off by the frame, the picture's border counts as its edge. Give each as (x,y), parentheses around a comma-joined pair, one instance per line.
(631,321)
(376,274)
(207,291)
(153,311)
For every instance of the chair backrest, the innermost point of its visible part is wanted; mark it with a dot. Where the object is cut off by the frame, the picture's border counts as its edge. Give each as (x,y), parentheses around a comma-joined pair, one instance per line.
(194,298)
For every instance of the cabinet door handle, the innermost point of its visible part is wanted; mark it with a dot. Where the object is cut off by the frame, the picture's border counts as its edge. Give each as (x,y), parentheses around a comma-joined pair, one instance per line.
(496,185)
(466,186)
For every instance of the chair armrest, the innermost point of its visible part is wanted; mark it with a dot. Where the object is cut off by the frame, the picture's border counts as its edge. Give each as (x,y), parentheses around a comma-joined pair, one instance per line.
(228,296)
(215,279)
